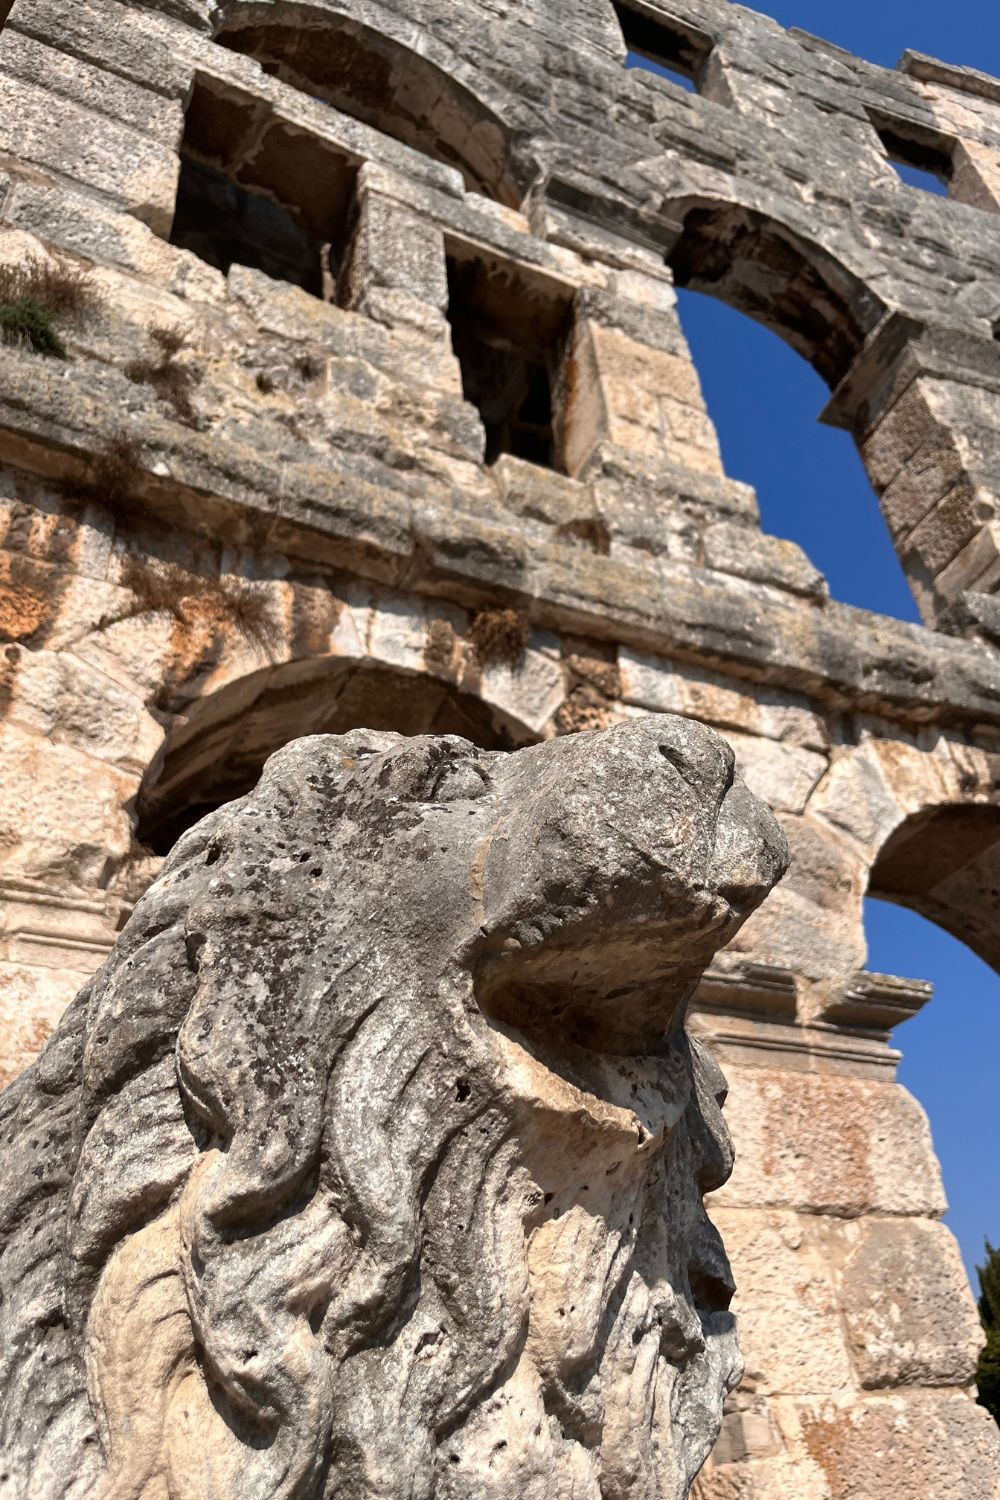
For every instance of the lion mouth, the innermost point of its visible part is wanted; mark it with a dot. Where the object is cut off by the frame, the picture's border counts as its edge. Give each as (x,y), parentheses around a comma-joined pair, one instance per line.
(622,990)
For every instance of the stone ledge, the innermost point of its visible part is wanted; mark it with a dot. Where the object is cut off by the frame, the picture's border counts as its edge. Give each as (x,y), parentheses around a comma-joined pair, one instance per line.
(52,419)
(965,80)
(875,1004)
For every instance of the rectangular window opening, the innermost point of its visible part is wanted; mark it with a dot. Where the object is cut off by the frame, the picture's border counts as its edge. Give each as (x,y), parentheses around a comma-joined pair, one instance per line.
(254,192)
(509,335)
(226,225)
(662,45)
(922,158)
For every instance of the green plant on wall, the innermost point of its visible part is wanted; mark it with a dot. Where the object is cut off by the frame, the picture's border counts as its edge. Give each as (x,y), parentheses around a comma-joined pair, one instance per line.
(35,297)
(988,1375)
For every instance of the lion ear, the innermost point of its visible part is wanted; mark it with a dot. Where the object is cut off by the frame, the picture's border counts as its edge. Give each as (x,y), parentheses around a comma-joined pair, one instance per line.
(326,763)
(429,770)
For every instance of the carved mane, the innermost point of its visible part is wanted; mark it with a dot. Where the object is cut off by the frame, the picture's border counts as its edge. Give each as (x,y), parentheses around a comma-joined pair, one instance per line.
(291,1209)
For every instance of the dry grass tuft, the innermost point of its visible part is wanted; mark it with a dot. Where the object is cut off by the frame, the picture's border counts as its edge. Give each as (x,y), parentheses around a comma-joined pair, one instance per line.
(156,588)
(167,588)
(169,341)
(499,637)
(36,295)
(250,613)
(309,367)
(589,532)
(173,383)
(116,471)
(583,711)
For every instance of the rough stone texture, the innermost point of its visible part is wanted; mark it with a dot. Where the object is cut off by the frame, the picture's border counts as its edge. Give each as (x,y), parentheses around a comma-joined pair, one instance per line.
(359,1170)
(330,512)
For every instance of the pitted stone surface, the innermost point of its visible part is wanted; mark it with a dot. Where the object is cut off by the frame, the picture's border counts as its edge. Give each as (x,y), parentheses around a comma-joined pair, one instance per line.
(372,1161)
(337,528)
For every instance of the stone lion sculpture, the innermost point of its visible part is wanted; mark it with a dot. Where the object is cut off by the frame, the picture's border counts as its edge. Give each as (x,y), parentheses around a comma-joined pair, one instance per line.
(371,1163)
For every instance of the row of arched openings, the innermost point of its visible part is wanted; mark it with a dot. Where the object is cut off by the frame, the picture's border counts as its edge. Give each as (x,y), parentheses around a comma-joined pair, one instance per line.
(257,190)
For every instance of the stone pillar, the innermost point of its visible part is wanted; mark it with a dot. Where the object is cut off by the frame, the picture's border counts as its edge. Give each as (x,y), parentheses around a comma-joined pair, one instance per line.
(75,740)
(395,272)
(631,384)
(856,1320)
(924,406)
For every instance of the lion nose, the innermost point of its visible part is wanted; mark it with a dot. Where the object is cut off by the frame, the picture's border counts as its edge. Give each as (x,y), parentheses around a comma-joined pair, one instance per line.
(750,853)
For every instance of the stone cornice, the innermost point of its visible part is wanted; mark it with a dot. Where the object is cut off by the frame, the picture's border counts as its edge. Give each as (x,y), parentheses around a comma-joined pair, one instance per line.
(52,419)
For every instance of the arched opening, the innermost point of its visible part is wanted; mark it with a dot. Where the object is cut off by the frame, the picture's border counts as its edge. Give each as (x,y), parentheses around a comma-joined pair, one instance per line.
(944,863)
(371,76)
(949,1061)
(934,910)
(811,484)
(217,752)
(796,299)
(767,270)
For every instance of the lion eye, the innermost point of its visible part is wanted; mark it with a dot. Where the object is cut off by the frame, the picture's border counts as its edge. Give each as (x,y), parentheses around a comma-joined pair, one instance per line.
(463,781)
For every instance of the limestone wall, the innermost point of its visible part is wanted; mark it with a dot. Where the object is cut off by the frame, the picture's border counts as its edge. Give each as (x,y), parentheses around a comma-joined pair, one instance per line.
(253,502)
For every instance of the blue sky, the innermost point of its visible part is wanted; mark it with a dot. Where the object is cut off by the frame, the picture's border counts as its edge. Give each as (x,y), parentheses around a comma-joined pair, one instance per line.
(812,488)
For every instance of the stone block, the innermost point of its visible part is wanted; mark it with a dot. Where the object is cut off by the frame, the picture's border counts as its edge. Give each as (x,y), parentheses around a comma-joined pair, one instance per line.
(665,483)
(124,42)
(929,474)
(928,1445)
(954,522)
(539,494)
(32,1002)
(976,175)
(813,923)
(69,702)
(832,1145)
(64,813)
(976,568)
(764,559)
(71,221)
(61,137)
(528,694)
(857,799)
(908,1309)
(93,88)
(786,1302)
(664,686)
(396,249)
(781,775)
(904,429)
(631,333)
(638,398)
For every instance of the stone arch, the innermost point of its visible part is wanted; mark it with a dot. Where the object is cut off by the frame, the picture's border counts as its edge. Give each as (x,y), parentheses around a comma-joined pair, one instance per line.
(820,302)
(944,863)
(409,85)
(216,751)
(777,274)
(919,816)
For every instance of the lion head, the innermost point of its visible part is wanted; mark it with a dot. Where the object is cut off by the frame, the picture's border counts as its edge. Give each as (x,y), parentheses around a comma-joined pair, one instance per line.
(372,1162)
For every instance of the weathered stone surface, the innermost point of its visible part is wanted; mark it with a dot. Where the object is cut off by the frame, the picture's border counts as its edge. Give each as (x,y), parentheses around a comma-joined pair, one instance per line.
(840,1146)
(909,1316)
(374,1157)
(336,508)
(786,1302)
(904,1444)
